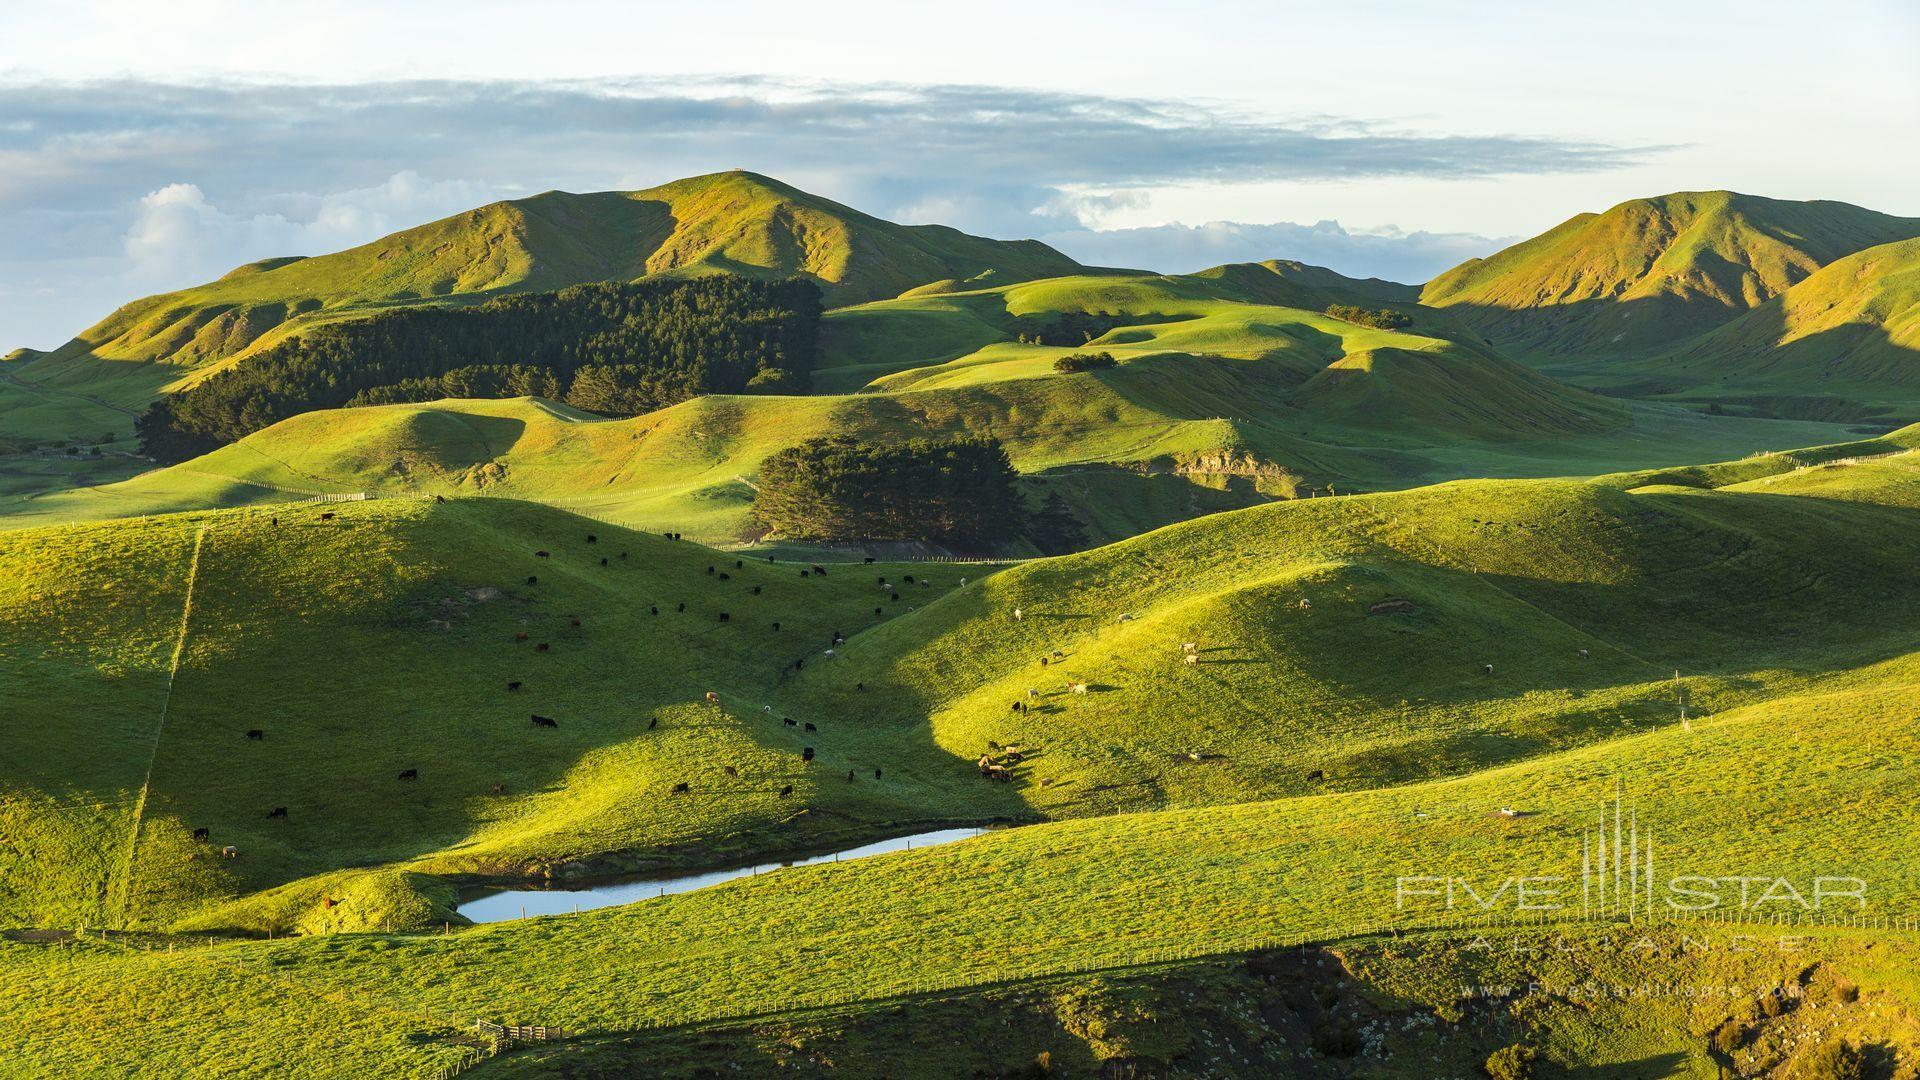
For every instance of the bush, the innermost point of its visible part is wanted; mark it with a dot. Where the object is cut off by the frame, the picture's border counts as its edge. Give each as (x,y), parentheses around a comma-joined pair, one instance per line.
(958,492)
(1512,1062)
(658,342)
(1084,362)
(1381,319)
(1835,1059)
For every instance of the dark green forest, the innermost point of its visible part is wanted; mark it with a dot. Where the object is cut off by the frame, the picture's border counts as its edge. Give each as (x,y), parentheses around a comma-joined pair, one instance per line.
(959,492)
(616,347)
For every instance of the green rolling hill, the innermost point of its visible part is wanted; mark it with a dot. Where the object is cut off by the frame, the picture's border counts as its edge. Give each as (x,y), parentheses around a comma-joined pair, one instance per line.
(1649,273)
(733,222)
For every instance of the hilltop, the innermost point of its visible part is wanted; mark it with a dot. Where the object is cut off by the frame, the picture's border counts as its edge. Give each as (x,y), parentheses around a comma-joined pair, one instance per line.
(1650,272)
(732,222)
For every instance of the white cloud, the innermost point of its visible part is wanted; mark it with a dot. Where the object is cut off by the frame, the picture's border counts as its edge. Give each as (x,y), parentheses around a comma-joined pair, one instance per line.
(1386,252)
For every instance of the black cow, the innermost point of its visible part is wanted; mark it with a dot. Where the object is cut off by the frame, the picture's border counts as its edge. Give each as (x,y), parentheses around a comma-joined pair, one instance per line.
(278,811)
(756,590)
(410,774)
(724,576)
(439,498)
(739,564)
(818,569)
(531,580)
(724,616)
(876,774)
(877,611)
(800,663)
(709,571)
(1317,774)
(541,555)
(803,573)
(574,622)
(682,607)
(256,734)
(776,626)
(786,791)
(849,776)
(806,753)
(869,560)
(592,539)
(789,721)
(682,787)
(909,579)
(514,685)
(653,723)
(896,597)
(603,562)
(544,721)
(543,647)
(200,834)
(653,609)
(809,726)
(730,770)
(860,686)
(520,635)
(328,516)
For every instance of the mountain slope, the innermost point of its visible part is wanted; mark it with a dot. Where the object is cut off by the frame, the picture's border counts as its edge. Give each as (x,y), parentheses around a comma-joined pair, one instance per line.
(1650,272)
(734,222)
(1856,319)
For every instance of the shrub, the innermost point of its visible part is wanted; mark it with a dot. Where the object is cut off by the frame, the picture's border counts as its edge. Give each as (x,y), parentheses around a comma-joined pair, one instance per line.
(1084,362)
(1835,1059)
(955,492)
(1382,319)
(1512,1062)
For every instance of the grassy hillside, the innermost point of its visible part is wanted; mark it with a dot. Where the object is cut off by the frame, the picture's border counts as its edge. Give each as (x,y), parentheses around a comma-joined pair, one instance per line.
(734,222)
(383,639)
(1651,272)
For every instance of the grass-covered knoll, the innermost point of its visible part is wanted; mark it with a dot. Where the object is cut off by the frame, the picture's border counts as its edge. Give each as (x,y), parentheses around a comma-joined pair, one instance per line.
(732,222)
(1650,272)
(1792,787)
(1351,637)
(383,640)
(1773,464)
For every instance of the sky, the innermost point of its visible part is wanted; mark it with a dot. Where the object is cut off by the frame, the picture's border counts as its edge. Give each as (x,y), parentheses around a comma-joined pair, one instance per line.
(146,147)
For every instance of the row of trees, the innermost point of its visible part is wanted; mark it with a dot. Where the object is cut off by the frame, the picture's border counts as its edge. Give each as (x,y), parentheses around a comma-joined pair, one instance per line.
(1378,318)
(1084,361)
(1068,328)
(616,347)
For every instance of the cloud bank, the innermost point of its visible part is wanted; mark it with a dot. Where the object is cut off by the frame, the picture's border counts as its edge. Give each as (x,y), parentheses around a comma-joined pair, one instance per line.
(109,189)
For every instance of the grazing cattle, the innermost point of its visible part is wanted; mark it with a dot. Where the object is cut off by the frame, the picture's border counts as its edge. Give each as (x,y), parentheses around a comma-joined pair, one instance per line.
(1489,669)
(520,635)
(229,852)
(1044,661)
(603,562)
(808,726)
(710,571)
(275,522)
(439,498)
(328,516)
(653,723)
(682,787)
(1583,654)
(786,791)
(331,902)
(543,647)
(256,734)
(410,774)
(909,579)
(756,592)
(200,834)
(1013,757)
(541,555)
(544,721)
(592,539)
(1125,616)
(776,626)
(877,611)
(803,573)
(1058,655)
(623,554)
(1191,659)
(828,654)
(860,687)
(806,753)
(653,609)
(682,607)
(882,582)
(999,773)
(789,721)
(739,564)
(768,709)
(876,774)
(769,560)
(724,616)
(713,698)
(1032,693)
(869,560)
(1078,688)
(531,580)
(839,638)
(730,770)
(818,569)
(499,789)
(896,596)
(574,622)
(1317,774)
(278,811)
(724,576)
(800,663)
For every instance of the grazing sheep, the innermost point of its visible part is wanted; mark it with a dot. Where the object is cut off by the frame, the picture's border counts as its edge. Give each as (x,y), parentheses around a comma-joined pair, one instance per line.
(768,709)
(1032,693)
(1078,688)
(256,734)
(1190,647)
(1583,654)
(1489,669)
(828,654)
(410,774)
(1018,614)
(1058,655)
(200,834)
(1191,659)
(786,791)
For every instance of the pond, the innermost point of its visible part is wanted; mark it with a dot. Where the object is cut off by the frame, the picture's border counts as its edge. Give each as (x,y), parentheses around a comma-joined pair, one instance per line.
(499,905)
